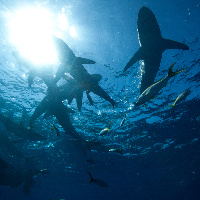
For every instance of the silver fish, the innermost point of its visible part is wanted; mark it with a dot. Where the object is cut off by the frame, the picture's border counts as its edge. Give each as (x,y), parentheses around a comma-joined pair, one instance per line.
(180,98)
(153,90)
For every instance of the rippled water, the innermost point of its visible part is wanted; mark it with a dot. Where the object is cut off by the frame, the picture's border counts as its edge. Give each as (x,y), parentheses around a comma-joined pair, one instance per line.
(160,148)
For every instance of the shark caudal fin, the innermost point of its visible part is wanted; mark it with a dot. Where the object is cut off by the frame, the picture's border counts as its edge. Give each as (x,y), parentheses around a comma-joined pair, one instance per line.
(173,106)
(170,44)
(171,73)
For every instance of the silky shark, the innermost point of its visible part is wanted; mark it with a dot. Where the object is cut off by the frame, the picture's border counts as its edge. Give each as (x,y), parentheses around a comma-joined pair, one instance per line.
(76,90)
(13,177)
(61,113)
(54,95)
(58,94)
(10,147)
(152,46)
(74,66)
(20,130)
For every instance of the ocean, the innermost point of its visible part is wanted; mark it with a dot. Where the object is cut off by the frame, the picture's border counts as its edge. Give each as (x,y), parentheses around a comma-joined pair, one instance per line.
(154,155)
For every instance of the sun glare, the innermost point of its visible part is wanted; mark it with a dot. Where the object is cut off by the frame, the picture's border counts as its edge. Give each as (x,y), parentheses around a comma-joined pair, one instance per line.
(62,22)
(31,31)
(73,32)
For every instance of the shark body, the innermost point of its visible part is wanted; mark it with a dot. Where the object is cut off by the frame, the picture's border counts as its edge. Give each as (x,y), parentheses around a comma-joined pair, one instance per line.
(20,130)
(152,45)
(74,66)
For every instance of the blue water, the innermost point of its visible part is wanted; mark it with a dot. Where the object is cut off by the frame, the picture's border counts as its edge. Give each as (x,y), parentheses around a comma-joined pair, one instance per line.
(161,149)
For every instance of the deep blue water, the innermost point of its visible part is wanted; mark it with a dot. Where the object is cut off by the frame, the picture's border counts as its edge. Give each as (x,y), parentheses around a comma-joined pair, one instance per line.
(161,148)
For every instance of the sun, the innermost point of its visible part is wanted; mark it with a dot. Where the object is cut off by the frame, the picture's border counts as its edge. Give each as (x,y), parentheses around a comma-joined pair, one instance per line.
(31,32)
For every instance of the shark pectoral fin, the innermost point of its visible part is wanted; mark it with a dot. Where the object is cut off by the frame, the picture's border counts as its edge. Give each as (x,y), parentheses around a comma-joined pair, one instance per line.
(60,71)
(95,77)
(74,93)
(89,98)
(79,98)
(80,60)
(137,56)
(170,44)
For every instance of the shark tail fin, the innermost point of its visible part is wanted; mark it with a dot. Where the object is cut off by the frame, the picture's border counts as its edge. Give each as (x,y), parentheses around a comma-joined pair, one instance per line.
(173,106)
(170,44)
(91,177)
(81,61)
(171,73)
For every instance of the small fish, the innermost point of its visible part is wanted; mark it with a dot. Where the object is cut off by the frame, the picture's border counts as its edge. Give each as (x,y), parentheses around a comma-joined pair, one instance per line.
(98,182)
(180,98)
(56,129)
(42,171)
(105,130)
(153,89)
(131,145)
(118,150)
(123,120)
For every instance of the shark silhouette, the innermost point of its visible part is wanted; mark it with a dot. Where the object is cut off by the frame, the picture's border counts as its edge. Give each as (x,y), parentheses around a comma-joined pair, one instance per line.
(14,177)
(54,95)
(62,115)
(74,66)
(20,130)
(152,46)
(8,144)
(58,94)
(61,112)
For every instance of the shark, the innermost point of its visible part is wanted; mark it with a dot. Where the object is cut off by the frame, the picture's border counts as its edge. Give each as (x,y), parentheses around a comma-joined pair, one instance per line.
(54,95)
(58,94)
(69,63)
(152,45)
(14,177)
(54,106)
(20,130)
(10,147)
